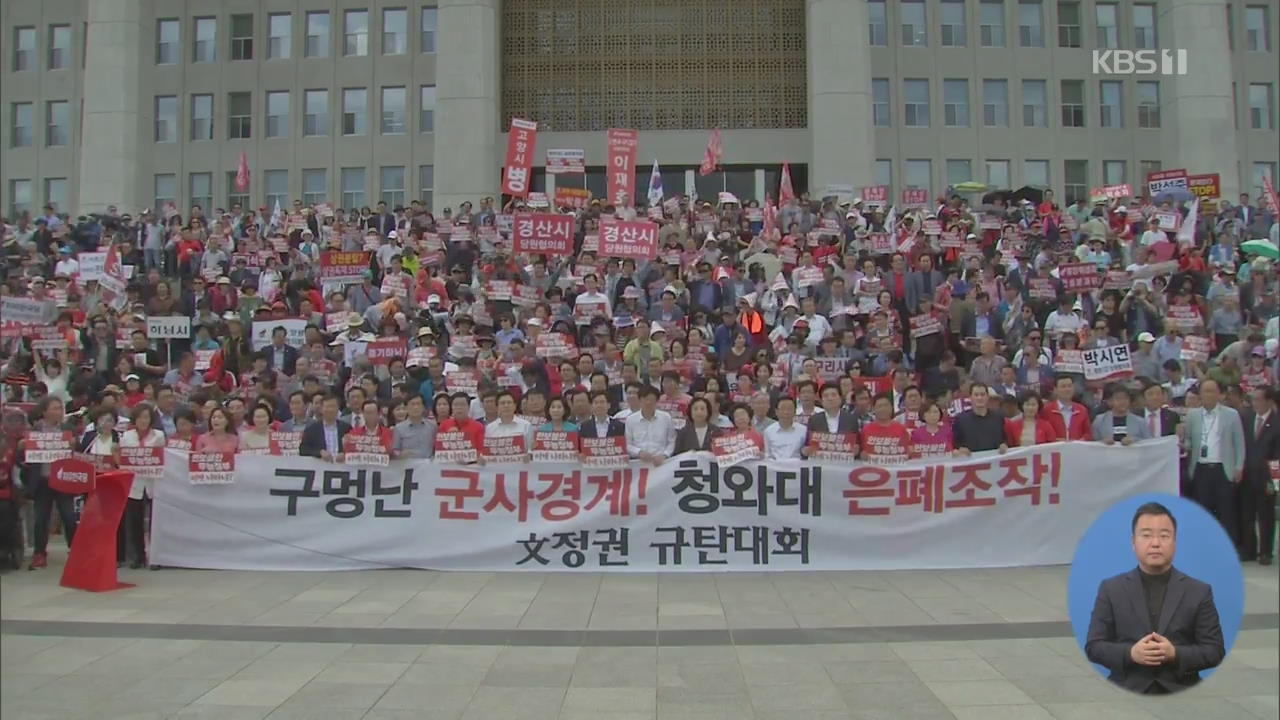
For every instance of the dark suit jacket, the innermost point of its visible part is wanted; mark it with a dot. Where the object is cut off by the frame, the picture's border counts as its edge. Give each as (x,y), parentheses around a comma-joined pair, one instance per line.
(687,439)
(1188,618)
(290,359)
(916,290)
(1168,421)
(969,324)
(847,422)
(588,429)
(1258,449)
(313,438)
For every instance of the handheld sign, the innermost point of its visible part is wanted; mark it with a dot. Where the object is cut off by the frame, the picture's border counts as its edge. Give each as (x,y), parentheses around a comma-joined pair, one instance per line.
(72,476)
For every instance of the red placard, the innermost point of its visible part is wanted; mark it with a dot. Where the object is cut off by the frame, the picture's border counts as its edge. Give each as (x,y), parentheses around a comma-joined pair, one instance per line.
(576,198)
(621,182)
(875,193)
(833,446)
(637,239)
(1076,277)
(555,446)
(542,233)
(604,452)
(735,447)
(914,197)
(285,442)
(72,476)
(337,265)
(1206,187)
(453,446)
(212,468)
(922,325)
(41,447)
(881,243)
(555,345)
(143,461)
(519,165)
(504,449)
(383,350)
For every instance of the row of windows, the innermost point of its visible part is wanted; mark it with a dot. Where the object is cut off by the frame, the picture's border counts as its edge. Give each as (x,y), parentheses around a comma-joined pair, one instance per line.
(353,186)
(393,117)
(916,104)
(953,20)
(392,35)
(58,43)
(1076,179)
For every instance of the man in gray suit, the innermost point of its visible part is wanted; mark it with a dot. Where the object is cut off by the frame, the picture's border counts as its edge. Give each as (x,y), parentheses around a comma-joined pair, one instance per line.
(1155,628)
(1118,424)
(1215,456)
(922,283)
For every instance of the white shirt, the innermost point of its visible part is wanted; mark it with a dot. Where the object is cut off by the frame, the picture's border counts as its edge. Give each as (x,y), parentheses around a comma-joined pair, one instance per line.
(591,298)
(1058,323)
(517,427)
(69,267)
(655,436)
(784,444)
(1151,237)
(1211,436)
(818,329)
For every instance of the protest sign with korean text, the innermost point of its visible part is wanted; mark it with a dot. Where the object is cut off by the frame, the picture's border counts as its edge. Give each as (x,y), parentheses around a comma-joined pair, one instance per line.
(1079,277)
(343,267)
(621,178)
(1107,363)
(542,233)
(518,168)
(168,327)
(1162,180)
(636,239)
(561,161)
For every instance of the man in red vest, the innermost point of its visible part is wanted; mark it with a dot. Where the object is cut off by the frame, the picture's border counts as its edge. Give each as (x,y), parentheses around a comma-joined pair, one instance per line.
(1068,418)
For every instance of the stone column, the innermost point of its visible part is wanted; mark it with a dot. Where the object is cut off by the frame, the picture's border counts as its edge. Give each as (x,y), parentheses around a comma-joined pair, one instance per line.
(840,102)
(1197,107)
(467,156)
(111,124)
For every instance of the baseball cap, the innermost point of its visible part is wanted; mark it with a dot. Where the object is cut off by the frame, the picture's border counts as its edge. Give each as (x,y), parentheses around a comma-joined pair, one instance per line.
(1146,337)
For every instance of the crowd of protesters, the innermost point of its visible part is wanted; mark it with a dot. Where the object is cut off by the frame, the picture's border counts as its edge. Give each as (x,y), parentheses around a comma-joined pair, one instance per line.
(936,330)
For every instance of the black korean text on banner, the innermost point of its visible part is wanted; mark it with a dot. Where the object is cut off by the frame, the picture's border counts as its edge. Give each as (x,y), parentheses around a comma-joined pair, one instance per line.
(168,327)
(365,450)
(698,513)
(833,446)
(521,140)
(1107,363)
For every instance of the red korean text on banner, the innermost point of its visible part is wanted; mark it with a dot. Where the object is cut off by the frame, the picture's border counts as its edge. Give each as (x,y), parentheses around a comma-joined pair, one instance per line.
(555,446)
(519,165)
(875,194)
(286,442)
(623,146)
(915,197)
(1077,277)
(542,233)
(604,452)
(922,325)
(383,350)
(629,239)
(881,243)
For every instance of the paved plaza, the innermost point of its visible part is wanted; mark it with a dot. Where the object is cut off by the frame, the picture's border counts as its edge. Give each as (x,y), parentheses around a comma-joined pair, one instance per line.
(384,645)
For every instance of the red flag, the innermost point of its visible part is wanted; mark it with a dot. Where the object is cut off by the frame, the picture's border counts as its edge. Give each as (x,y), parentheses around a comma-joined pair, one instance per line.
(242,173)
(1270,193)
(711,158)
(785,193)
(770,215)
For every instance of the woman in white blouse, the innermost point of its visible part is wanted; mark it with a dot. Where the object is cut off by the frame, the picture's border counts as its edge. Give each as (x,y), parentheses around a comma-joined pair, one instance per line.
(142,433)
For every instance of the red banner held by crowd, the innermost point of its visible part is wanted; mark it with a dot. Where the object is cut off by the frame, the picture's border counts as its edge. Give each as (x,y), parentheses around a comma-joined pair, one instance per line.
(621,179)
(519,165)
(542,233)
(629,239)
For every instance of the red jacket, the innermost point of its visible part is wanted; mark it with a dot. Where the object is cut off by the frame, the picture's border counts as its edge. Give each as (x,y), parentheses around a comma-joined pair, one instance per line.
(1080,428)
(1045,432)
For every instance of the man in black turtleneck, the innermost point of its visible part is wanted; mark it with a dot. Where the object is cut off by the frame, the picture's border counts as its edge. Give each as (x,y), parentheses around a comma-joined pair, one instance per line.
(1163,649)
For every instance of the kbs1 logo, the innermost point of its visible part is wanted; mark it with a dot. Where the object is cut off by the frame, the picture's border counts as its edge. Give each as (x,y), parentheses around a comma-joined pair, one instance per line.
(1139,62)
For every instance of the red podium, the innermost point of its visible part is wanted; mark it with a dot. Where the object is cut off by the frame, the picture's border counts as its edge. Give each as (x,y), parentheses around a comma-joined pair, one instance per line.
(92,563)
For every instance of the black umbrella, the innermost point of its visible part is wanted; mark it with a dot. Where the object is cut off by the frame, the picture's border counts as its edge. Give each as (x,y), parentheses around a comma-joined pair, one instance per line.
(997,196)
(1030,193)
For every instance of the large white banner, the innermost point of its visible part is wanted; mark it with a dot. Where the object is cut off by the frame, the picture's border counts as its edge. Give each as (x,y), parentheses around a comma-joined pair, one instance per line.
(1027,507)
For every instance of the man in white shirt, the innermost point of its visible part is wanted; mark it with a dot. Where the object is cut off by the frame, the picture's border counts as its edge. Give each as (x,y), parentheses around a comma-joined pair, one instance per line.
(1063,320)
(1215,456)
(784,439)
(819,326)
(508,424)
(651,435)
(593,296)
(66,265)
(760,413)
(632,397)
(1153,233)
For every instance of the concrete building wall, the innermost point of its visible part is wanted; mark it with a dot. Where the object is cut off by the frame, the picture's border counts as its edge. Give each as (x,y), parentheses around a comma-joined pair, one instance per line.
(1201,135)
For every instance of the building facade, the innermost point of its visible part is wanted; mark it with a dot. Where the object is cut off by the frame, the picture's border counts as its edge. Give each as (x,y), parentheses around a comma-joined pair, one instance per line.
(137,103)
